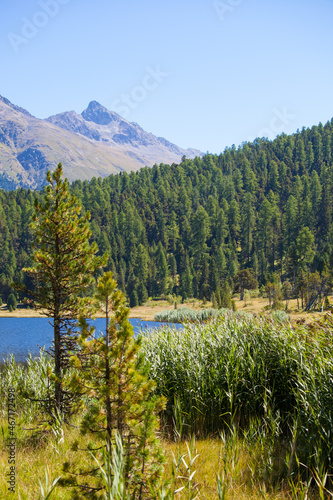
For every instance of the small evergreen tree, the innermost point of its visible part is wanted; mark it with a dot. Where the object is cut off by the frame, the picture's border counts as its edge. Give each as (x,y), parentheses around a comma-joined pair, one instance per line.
(12,302)
(132,289)
(162,269)
(142,294)
(226,296)
(245,280)
(112,374)
(64,267)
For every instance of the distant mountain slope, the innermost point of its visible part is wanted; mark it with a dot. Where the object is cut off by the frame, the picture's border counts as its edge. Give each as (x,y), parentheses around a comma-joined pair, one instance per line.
(96,143)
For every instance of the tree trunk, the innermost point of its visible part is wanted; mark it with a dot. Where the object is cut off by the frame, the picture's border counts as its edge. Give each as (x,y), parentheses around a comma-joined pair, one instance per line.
(57,362)
(57,333)
(107,373)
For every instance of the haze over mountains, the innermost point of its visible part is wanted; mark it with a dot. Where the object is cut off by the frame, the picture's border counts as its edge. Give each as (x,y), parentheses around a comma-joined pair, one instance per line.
(97,142)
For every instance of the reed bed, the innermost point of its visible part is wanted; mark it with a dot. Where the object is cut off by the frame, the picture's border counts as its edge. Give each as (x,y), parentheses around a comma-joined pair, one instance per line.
(264,379)
(29,380)
(185,314)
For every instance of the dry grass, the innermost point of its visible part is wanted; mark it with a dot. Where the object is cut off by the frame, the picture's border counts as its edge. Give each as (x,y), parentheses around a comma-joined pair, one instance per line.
(34,458)
(145,312)
(152,307)
(256,305)
(20,312)
(209,464)
(259,305)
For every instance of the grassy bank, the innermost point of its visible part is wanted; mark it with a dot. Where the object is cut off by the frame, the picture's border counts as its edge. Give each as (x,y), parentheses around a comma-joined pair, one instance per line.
(40,461)
(256,392)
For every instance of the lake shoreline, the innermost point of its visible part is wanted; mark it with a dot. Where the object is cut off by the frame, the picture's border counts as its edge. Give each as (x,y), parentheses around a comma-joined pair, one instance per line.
(144,313)
(147,311)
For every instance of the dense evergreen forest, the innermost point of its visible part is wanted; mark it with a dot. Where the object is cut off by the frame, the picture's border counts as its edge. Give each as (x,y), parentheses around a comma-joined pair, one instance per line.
(189,229)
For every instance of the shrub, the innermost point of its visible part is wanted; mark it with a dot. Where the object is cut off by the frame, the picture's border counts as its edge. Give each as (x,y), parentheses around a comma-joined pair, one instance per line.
(12,302)
(184,314)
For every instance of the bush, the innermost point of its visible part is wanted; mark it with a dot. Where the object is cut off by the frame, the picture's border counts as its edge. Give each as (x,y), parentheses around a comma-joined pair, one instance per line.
(184,314)
(133,299)
(278,306)
(280,317)
(12,302)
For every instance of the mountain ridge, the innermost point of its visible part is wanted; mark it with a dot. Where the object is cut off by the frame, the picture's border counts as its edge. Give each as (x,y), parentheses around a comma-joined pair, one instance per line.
(97,142)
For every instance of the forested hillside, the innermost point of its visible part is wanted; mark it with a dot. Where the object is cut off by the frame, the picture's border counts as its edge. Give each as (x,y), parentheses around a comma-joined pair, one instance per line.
(189,228)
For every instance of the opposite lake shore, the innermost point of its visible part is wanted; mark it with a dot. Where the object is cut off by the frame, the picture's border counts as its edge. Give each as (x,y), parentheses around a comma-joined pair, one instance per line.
(147,312)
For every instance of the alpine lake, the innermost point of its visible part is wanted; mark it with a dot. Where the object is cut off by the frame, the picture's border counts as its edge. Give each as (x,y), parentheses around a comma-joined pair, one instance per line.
(21,336)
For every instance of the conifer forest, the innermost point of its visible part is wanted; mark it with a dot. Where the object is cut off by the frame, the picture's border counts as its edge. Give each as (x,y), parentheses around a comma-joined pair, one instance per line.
(260,213)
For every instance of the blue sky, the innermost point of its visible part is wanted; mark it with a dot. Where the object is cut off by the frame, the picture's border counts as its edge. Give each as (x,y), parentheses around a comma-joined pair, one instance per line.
(201,73)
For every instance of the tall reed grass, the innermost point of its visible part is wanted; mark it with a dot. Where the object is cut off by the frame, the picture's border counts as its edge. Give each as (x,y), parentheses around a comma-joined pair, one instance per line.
(185,314)
(273,381)
(29,380)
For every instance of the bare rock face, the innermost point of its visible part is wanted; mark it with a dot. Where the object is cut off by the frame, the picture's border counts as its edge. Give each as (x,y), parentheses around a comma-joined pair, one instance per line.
(97,142)
(96,113)
(73,122)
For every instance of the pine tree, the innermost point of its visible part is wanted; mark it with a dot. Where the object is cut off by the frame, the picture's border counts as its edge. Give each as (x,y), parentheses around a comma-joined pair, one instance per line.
(302,251)
(291,221)
(247,226)
(162,269)
(64,266)
(132,288)
(141,264)
(245,280)
(221,229)
(273,177)
(234,221)
(112,373)
(226,296)
(264,230)
(309,156)
(203,279)
(186,278)
(286,292)
(200,231)
(300,155)
(11,302)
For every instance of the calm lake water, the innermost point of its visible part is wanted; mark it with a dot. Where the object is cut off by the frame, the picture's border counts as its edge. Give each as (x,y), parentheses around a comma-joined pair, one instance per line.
(19,336)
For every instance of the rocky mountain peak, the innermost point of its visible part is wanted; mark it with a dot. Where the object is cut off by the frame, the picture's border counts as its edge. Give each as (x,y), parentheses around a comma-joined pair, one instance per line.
(97,113)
